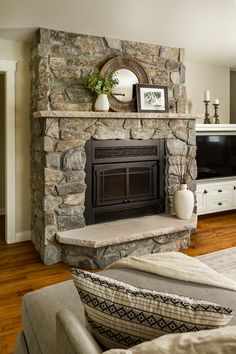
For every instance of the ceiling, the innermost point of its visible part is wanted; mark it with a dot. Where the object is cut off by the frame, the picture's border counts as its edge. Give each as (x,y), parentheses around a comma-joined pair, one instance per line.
(205,28)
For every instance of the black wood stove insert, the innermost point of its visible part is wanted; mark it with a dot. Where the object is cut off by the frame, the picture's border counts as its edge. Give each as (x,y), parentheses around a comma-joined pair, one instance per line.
(125,179)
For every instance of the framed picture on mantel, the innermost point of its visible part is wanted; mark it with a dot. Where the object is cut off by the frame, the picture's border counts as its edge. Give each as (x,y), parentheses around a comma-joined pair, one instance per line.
(151,98)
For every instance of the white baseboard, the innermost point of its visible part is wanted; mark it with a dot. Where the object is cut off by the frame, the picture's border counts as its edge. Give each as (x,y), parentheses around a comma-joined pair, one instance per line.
(2,211)
(23,236)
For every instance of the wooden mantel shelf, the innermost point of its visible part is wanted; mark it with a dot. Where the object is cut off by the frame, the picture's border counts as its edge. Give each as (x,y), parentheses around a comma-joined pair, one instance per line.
(113,115)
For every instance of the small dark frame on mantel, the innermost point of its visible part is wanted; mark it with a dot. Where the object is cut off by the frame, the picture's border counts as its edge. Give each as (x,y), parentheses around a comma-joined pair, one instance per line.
(151,98)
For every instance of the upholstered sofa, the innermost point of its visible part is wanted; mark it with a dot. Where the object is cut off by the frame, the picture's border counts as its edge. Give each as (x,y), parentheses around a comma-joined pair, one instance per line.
(54,321)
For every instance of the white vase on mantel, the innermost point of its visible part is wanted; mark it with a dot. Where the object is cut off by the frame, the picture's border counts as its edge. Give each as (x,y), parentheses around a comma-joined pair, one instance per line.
(183,202)
(102,103)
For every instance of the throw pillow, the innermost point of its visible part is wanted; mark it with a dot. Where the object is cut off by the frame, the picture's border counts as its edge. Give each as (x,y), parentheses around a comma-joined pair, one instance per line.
(120,315)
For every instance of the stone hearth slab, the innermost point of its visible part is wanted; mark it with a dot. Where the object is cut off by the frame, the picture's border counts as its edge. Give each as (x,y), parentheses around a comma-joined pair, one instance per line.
(123,231)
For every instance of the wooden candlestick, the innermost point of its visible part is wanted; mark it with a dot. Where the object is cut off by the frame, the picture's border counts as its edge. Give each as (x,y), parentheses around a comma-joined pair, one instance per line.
(207,115)
(216,116)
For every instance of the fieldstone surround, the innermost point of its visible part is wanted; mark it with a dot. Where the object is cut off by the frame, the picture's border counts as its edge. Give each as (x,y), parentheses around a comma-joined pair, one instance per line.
(61,60)
(62,121)
(58,162)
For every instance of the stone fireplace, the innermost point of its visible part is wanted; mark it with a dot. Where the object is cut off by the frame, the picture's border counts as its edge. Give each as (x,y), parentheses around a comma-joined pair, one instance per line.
(63,125)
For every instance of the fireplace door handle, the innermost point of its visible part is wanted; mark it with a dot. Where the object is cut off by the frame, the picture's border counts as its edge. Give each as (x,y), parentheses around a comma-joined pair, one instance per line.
(125,201)
(130,200)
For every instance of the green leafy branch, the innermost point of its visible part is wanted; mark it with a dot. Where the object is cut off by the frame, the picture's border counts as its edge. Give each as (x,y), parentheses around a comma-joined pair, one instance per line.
(98,84)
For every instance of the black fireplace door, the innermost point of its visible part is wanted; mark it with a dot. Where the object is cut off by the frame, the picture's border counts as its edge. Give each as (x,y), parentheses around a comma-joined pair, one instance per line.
(124,178)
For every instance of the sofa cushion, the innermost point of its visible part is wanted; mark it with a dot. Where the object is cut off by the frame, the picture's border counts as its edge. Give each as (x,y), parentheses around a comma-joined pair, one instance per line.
(121,315)
(214,341)
(39,310)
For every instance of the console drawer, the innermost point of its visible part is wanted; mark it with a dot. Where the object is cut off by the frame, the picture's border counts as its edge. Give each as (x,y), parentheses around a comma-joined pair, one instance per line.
(219,204)
(219,191)
(216,195)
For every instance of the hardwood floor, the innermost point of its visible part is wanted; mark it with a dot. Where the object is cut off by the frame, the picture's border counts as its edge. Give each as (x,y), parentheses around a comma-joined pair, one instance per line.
(21,269)
(214,232)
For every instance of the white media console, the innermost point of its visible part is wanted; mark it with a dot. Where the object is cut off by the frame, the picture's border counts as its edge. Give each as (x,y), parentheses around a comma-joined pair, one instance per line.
(216,194)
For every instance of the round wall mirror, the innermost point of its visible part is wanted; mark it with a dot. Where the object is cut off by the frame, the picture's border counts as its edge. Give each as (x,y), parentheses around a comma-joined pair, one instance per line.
(129,72)
(124,90)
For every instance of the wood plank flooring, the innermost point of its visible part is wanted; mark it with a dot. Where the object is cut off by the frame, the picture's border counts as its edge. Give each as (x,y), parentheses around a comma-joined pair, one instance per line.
(214,232)
(21,269)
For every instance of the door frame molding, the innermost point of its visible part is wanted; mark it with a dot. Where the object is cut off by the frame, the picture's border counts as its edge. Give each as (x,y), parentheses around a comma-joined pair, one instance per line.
(8,68)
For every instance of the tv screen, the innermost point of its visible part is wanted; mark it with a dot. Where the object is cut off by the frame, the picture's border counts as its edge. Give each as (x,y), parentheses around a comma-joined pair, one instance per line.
(216,156)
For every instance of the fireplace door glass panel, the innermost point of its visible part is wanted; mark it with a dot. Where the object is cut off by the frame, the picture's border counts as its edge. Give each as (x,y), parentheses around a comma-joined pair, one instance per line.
(142,182)
(110,185)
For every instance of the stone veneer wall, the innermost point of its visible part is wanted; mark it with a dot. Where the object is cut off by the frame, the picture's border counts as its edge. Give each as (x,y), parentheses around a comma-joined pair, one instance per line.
(58,161)
(61,60)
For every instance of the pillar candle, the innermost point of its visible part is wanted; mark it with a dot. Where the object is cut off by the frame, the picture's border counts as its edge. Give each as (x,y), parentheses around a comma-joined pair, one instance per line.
(207,96)
(216,101)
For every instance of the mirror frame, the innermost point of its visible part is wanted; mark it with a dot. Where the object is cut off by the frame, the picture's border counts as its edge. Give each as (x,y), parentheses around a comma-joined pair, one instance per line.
(116,63)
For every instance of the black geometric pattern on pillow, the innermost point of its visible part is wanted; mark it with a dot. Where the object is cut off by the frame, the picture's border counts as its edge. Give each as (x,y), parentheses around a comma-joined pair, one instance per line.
(137,316)
(124,339)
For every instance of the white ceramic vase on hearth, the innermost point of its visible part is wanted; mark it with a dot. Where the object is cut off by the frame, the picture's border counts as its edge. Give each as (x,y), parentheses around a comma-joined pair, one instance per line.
(183,202)
(102,103)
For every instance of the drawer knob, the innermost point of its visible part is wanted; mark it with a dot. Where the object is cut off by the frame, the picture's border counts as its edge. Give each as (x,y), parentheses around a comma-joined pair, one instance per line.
(235,188)
(205,191)
(219,191)
(219,203)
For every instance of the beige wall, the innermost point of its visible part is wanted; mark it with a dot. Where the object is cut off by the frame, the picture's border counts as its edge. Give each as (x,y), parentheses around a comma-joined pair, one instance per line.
(233,97)
(12,50)
(201,77)
(2,145)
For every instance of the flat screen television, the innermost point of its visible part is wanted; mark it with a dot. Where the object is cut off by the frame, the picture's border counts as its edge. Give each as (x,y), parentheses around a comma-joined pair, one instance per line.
(216,156)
